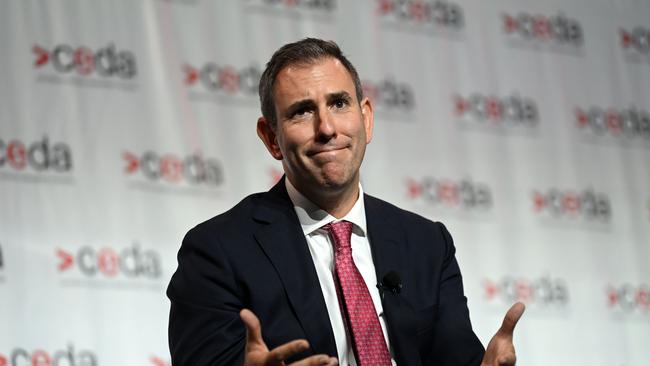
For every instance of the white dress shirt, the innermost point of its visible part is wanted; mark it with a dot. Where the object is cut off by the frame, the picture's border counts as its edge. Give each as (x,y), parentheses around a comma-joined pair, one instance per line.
(312,219)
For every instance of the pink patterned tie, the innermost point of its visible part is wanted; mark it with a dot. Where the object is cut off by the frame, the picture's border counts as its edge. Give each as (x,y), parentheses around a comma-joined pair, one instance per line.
(368,340)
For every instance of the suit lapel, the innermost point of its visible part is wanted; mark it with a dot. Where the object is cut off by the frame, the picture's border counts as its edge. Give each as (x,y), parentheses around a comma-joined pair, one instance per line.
(387,241)
(284,243)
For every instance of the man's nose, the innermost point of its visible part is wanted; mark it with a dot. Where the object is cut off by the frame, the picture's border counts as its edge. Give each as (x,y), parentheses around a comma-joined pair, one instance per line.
(325,125)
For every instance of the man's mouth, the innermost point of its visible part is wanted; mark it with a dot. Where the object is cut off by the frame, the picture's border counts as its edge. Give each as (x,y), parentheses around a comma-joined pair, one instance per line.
(325,149)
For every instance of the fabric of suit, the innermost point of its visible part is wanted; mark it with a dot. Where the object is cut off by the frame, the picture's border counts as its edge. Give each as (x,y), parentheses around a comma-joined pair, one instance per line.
(255,256)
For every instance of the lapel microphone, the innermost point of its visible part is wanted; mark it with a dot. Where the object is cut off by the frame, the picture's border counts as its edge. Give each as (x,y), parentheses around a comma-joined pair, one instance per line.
(391,282)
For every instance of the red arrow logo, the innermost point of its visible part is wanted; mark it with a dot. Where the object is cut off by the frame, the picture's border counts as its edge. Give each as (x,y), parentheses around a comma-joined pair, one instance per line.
(191,74)
(275,175)
(42,56)
(509,23)
(385,6)
(491,289)
(132,162)
(612,296)
(157,361)
(539,201)
(581,117)
(66,259)
(414,188)
(460,105)
(626,38)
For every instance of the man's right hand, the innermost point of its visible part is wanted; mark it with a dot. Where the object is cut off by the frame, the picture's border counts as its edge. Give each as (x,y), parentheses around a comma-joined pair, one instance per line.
(258,354)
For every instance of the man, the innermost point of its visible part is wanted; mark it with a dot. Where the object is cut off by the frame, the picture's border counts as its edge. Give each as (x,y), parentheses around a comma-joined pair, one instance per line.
(314,271)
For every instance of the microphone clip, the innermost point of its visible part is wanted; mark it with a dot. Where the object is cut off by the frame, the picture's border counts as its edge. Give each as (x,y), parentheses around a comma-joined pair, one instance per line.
(391,282)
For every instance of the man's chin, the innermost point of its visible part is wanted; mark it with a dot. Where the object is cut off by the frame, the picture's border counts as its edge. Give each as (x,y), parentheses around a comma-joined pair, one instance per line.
(336,183)
(330,179)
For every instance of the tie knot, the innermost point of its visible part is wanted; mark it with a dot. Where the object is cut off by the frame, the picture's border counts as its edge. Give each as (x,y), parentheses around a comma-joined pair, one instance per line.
(341,232)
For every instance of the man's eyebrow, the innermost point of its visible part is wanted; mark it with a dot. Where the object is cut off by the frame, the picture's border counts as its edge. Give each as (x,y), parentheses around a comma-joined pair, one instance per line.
(301,104)
(338,95)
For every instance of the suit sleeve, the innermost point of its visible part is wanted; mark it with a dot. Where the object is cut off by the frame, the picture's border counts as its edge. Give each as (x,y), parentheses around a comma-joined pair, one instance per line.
(204,324)
(455,343)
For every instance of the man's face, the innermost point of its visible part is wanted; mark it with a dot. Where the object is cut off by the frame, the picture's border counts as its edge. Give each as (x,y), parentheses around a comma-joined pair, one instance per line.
(322,130)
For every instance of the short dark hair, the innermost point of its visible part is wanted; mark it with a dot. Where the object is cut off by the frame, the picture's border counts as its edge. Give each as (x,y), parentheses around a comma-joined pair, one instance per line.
(306,52)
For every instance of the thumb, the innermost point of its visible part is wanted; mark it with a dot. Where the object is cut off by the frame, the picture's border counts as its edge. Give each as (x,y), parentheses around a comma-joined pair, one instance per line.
(253,327)
(510,320)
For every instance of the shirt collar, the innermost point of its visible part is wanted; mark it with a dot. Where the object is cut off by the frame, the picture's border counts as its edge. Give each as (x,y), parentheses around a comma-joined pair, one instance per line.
(312,217)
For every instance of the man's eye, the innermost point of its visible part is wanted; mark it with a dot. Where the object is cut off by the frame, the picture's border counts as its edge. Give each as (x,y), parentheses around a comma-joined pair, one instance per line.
(340,103)
(300,112)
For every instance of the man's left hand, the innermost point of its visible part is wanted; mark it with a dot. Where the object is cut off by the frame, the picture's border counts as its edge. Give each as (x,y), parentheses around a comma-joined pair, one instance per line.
(500,351)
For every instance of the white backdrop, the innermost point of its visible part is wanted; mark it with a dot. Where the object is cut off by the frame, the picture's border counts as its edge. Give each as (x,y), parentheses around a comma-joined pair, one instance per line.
(523,125)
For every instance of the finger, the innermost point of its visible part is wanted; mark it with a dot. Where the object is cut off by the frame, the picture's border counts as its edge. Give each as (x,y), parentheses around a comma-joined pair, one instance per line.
(333,361)
(281,353)
(512,317)
(330,361)
(507,360)
(318,360)
(253,327)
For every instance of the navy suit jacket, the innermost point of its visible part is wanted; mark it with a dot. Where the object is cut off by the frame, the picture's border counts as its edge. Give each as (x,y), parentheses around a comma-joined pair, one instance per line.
(255,256)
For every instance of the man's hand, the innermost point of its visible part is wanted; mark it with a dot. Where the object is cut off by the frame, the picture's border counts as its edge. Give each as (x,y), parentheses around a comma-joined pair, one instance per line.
(500,351)
(257,354)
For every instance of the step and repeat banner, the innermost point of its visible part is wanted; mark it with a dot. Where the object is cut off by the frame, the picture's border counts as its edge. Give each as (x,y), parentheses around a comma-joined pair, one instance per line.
(524,126)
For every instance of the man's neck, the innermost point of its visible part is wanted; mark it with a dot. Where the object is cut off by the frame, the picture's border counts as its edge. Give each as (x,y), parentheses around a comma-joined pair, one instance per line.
(337,203)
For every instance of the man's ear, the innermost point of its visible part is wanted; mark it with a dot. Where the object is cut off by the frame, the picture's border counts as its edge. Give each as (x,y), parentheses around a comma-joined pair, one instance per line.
(266,132)
(368,116)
